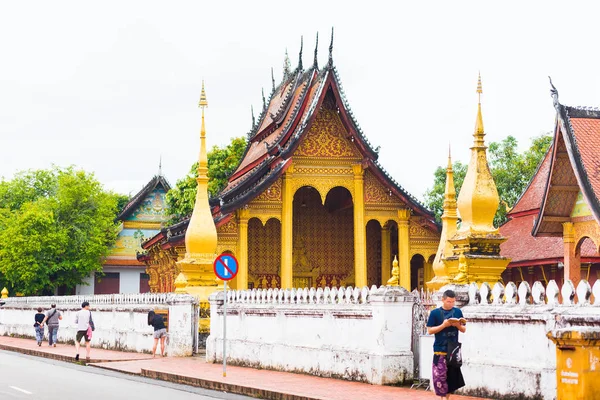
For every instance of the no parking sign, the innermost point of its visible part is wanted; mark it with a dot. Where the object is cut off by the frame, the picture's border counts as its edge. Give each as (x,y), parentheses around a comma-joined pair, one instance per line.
(226,268)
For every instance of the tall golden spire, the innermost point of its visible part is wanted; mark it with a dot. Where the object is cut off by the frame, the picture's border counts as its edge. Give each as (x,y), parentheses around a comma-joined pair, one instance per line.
(196,276)
(203,159)
(450,192)
(478,199)
(449,220)
(479,122)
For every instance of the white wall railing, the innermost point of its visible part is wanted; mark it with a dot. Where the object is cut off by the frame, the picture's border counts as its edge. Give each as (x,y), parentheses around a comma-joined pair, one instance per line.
(551,295)
(343,295)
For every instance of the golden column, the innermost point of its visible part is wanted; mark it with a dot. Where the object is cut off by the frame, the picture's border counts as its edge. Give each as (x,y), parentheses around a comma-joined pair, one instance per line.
(242,276)
(287,220)
(386,253)
(572,261)
(449,221)
(196,269)
(360,234)
(476,245)
(404,247)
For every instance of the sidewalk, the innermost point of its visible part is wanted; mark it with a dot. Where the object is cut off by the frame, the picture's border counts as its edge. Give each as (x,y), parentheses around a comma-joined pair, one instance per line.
(65,352)
(247,381)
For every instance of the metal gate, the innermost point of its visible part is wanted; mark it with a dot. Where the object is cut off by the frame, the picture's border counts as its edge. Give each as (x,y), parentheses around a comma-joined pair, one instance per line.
(422,306)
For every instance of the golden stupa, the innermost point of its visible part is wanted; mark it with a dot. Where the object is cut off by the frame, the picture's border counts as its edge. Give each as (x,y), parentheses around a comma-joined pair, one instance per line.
(196,275)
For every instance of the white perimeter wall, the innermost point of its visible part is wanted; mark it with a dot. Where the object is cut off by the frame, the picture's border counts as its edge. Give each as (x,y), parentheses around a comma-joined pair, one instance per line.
(120,320)
(356,335)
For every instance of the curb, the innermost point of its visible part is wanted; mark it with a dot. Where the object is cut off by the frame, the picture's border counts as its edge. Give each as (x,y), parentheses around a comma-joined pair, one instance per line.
(223,386)
(54,356)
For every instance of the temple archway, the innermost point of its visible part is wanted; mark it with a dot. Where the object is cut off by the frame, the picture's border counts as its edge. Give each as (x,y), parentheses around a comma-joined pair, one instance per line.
(264,253)
(417,272)
(586,248)
(323,238)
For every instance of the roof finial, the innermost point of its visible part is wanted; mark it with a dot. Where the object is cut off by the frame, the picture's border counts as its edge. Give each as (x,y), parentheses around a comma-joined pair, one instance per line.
(273,79)
(203,160)
(479,88)
(553,93)
(330,62)
(316,62)
(286,65)
(160,166)
(263,97)
(253,119)
(203,102)
(300,55)
(479,121)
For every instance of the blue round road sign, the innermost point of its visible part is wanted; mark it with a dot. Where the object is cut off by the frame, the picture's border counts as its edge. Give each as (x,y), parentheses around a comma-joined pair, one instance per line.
(226,267)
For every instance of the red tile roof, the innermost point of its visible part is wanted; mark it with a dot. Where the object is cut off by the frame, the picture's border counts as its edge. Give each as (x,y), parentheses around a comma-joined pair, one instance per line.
(534,193)
(587,135)
(525,250)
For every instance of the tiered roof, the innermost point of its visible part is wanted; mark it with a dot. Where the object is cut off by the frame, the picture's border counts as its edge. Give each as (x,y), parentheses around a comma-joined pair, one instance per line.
(571,165)
(157,180)
(286,117)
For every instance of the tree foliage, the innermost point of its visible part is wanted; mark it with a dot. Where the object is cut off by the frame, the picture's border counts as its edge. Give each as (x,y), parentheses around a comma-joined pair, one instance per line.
(56,226)
(222,162)
(510,169)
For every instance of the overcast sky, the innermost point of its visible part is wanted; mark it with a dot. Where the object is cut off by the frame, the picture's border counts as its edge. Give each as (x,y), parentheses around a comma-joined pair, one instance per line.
(112,86)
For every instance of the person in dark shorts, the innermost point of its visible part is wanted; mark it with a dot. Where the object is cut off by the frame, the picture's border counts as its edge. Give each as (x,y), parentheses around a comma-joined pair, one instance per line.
(83,319)
(160,332)
(39,328)
(445,322)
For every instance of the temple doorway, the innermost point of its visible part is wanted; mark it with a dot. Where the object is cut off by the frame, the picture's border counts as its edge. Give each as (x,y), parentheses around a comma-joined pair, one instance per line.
(323,238)
(417,272)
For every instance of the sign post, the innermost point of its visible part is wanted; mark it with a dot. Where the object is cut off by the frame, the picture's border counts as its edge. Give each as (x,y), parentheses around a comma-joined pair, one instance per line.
(226,268)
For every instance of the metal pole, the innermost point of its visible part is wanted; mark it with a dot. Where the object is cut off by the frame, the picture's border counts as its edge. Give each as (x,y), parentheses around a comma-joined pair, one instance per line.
(224,328)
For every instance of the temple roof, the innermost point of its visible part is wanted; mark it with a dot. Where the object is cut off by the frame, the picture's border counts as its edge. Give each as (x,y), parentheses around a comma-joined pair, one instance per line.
(156,181)
(289,113)
(533,194)
(574,168)
(571,165)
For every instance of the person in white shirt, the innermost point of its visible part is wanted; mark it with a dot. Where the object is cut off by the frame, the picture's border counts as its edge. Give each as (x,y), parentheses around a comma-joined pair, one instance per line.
(83,320)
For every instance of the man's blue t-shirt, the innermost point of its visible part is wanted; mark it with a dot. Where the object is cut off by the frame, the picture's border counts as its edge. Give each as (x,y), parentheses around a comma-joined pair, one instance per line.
(450,334)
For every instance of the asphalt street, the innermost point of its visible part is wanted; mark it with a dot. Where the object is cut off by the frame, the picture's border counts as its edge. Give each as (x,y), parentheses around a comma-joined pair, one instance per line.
(26,377)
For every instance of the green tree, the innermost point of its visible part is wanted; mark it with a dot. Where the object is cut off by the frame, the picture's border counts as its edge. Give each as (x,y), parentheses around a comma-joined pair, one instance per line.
(510,169)
(434,197)
(56,226)
(222,162)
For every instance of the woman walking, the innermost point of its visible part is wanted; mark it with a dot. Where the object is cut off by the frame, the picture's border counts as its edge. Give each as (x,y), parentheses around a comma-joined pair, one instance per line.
(160,332)
(39,328)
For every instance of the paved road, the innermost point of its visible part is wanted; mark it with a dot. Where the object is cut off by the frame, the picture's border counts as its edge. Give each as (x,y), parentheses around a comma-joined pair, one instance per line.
(25,377)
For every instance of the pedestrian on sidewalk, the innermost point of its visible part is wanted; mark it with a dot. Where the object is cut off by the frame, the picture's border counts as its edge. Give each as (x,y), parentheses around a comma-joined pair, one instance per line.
(160,332)
(39,329)
(52,317)
(85,326)
(446,322)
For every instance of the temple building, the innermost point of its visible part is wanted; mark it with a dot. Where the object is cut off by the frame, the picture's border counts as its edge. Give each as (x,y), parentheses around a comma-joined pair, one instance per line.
(554,228)
(142,218)
(309,205)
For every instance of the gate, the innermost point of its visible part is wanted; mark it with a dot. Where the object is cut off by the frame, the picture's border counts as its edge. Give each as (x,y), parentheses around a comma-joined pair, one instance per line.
(422,306)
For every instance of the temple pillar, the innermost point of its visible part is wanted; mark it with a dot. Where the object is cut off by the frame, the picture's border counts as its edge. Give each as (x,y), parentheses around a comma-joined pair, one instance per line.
(404,248)
(287,244)
(360,240)
(386,254)
(572,269)
(242,256)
